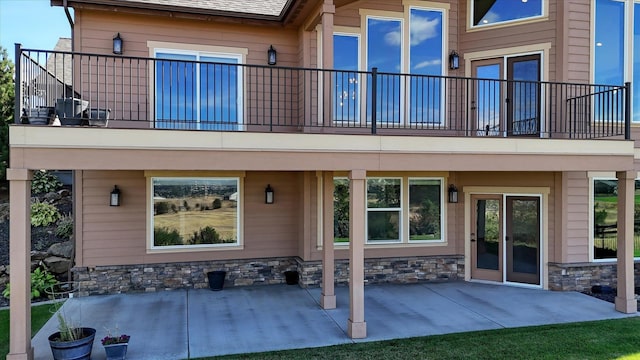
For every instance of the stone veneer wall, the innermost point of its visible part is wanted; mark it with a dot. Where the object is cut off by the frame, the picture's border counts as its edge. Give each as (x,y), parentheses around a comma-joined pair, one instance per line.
(157,277)
(582,276)
(389,270)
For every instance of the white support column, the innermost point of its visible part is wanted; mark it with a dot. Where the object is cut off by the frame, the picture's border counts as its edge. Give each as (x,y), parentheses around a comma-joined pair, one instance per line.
(356,326)
(20,259)
(328,297)
(625,300)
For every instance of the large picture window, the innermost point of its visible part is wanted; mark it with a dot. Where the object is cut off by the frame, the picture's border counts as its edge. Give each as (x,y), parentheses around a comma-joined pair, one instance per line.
(491,12)
(198,91)
(346,89)
(195,212)
(605,219)
(389,213)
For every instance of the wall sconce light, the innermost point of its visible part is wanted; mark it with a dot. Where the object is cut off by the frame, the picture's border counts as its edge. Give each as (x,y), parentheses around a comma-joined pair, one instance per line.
(268,195)
(454,60)
(271,55)
(115,196)
(453,194)
(117,45)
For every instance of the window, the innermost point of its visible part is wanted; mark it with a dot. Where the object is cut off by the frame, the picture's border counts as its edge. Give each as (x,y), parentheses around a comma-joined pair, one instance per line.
(383,209)
(196,90)
(386,206)
(426,54)
(610,34)
(195,212)
(346,92)
(425,209)
(491,12)
(605,219)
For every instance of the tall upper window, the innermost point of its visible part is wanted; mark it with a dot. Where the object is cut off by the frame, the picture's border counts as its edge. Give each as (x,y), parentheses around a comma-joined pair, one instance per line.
(346,92)
(426,52)
(195,90)
(195,212)
(491,12)
(605,219)
(609,47)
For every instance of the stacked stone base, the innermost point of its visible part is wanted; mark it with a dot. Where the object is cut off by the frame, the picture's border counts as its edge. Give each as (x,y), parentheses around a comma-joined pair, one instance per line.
(582,276)
(192,275)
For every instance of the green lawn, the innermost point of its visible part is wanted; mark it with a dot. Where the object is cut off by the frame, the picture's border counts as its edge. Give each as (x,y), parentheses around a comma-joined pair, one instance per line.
(609,339)
(39,316)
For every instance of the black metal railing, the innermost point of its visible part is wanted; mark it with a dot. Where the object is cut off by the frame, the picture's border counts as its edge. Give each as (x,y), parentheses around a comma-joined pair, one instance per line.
(173,92)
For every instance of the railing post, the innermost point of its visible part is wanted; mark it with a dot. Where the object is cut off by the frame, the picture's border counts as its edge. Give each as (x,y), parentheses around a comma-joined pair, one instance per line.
(374,98)
(17,100)
(627,111)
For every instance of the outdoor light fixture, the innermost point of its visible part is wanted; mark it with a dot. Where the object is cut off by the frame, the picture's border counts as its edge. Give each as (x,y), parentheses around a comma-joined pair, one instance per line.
(453,194)
(115,196)
(117,44)
(271,55)
(454,60)
(268,195)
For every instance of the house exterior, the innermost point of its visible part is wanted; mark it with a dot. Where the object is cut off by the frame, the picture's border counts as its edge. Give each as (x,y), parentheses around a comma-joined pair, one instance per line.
(382,141)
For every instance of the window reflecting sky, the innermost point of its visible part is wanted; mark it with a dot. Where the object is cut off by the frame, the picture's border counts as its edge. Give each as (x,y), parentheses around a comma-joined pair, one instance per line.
(488,12)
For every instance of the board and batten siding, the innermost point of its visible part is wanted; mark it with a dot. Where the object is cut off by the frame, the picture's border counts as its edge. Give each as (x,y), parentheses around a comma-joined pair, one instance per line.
(117,235)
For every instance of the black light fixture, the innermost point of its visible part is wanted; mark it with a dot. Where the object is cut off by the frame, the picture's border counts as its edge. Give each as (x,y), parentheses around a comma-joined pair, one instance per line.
(454,60)
(271,55)
(268,195)
(115,196)
(453,194)
(117,44)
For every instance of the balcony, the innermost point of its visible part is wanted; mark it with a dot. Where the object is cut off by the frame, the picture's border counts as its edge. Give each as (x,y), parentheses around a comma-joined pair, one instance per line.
(172,93)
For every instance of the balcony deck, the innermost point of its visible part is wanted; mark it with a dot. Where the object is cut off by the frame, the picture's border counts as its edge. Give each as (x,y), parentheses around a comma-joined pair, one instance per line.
(158,93)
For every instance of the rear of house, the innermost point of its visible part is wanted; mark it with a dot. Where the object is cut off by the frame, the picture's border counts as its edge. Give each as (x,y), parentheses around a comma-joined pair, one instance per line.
(351,141)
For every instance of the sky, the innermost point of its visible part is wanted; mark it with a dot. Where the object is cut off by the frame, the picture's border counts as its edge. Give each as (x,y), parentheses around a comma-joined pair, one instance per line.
(33,23)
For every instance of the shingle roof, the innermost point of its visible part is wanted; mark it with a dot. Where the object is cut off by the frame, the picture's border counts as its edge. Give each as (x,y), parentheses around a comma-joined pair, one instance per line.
(259,7)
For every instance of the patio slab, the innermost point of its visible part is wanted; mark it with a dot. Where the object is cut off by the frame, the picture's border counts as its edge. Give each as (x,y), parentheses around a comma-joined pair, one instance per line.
(196,323)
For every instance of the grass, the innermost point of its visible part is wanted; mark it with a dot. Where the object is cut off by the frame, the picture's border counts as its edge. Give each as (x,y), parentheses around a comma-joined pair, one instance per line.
(224,220)
(39,316)
(608,339)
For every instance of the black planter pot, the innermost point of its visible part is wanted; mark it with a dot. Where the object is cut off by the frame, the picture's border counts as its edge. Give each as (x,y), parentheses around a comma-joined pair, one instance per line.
(216,279)
(73,350)
(291,277)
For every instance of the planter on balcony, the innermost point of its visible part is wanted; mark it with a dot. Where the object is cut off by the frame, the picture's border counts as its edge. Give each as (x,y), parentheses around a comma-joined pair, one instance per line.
(70,110)
(40,115)
(99,117)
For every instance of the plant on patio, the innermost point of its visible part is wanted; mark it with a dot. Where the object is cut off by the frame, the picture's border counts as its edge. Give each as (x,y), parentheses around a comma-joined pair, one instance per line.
(115,346)
(70,341)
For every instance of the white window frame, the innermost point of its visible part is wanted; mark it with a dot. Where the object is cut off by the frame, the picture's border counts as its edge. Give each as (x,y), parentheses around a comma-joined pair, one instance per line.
(543,16)
(400,211)
(200,247)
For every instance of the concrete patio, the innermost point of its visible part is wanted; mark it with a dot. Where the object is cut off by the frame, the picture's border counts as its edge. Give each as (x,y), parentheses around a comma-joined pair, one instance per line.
(197,323)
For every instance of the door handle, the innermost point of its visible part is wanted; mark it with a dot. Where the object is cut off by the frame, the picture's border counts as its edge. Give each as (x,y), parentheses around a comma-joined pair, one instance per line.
(506,238)
(473,235)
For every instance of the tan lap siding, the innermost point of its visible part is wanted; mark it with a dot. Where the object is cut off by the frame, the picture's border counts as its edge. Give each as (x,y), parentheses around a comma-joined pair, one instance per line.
(577,221)
(117,235)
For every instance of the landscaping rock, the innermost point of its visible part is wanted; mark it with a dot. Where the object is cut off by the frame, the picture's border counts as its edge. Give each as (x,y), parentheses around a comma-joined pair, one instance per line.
(63,249)
(57,265)
(38,255)
(4,212)
(52,197)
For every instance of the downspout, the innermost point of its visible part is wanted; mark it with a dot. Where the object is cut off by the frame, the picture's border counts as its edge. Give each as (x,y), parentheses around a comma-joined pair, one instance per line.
(66,11)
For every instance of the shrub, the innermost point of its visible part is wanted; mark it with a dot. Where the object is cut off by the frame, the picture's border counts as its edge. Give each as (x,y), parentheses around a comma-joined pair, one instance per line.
(44,182)
(163,236)
(217,204)
(43,214)
(40,281)
(162,208)
(206,235)
(65,227)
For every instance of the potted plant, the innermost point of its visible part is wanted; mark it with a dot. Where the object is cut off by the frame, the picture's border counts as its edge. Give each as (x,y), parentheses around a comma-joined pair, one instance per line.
(70,341)
(116,346)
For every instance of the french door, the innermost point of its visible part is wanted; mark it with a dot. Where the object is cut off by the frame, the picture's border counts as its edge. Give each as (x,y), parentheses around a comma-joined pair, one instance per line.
(506,103)
(505,238)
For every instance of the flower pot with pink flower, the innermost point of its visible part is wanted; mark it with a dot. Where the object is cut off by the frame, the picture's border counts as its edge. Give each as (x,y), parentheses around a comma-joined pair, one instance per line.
(116,346)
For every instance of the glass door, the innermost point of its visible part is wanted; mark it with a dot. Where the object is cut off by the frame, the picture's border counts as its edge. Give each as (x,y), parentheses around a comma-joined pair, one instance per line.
(523,95)
(486,105)
(522,239)
(486,238)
